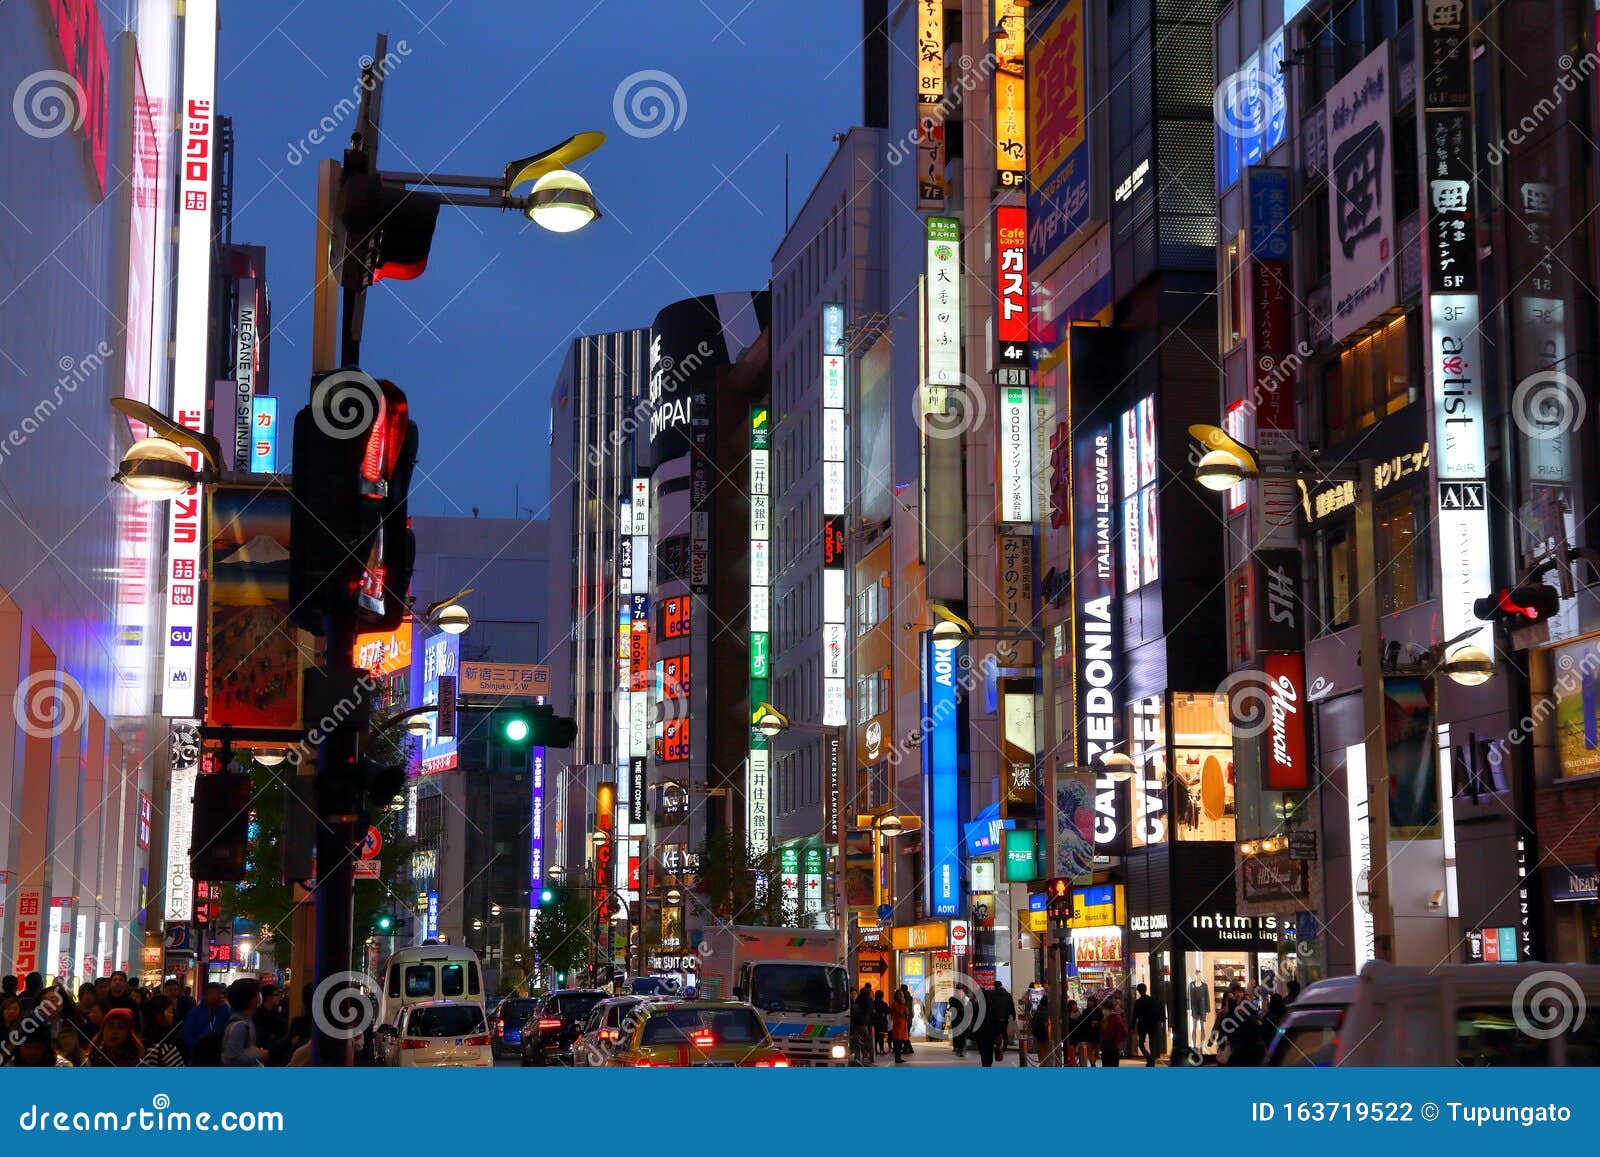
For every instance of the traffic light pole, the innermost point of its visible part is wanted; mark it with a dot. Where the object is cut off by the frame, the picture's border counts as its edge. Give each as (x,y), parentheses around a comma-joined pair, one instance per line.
(337,804)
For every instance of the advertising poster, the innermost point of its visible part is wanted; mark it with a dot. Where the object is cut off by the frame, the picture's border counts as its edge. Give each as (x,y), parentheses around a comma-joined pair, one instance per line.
(1058,172)
(439,657)
(939,759)
(1361,195)
(1413,774)
(255,656)
(1072,852)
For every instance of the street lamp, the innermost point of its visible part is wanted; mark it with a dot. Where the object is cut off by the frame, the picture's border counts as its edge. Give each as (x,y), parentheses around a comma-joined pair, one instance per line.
(157,467)
(562,202)
(769,720)
(448,614)
(949,629)
(1470,666)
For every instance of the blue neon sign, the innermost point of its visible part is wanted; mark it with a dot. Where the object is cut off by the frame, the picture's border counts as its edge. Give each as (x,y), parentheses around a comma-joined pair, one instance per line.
(939,757)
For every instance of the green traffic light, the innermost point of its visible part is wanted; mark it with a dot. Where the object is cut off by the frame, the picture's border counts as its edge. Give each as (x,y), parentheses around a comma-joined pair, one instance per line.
(385,923)
(516,729)
(546,896)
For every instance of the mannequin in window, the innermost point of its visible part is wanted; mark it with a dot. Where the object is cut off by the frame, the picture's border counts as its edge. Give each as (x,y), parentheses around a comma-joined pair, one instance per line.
(1199,1010)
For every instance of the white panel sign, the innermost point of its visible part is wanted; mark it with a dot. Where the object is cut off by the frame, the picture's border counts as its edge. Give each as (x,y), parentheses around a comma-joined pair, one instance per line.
(760,609)
(1456,374)
(943,304)
(833,382)
(834,604)
(760,464)
(179,904)
(641,506)
(1365,938)
(760,564)
(833,435)
(835,636)
(196,124)
(759,823)
(1465,571)
(639,728)
(1361,224)
(760,517)
(1016,455)
(834,703)
(833,488)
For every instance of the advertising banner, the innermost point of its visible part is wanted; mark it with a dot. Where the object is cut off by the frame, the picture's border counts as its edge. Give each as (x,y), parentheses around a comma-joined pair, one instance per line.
(255,658)
(942,818)
(1361,223)
(1058,173)
(1286,759)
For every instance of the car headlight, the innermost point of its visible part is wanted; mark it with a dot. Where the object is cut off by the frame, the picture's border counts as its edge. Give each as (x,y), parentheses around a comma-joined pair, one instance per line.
(837,1052)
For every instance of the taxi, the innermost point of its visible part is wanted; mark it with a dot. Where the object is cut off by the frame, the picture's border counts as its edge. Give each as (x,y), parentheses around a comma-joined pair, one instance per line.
(696,1034)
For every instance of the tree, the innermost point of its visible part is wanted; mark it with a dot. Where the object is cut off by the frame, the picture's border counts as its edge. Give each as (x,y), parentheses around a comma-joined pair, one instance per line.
(739,883)
(563,929)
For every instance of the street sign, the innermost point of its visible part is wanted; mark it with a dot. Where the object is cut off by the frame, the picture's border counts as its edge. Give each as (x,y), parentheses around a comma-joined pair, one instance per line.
(960,934)
(365,870)
(372,845)
(885,911)
(1303,844)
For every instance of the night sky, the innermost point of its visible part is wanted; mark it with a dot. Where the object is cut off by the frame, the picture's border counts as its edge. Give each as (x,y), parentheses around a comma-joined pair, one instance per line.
(477,341)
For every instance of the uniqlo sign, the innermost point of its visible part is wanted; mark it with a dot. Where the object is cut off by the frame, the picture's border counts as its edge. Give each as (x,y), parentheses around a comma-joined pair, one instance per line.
(1285,738)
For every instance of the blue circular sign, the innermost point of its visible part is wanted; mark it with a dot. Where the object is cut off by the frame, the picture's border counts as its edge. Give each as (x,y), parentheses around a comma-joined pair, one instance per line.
(885,911)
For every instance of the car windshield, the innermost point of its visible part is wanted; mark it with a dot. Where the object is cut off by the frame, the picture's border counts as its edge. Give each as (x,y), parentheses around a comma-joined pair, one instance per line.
(800,988)
(1309,1039)
(732,1026)
(446,1020)
(577,1004)
(517,1010)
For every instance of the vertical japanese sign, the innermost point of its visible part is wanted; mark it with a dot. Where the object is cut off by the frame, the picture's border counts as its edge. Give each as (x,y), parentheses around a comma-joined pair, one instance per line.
(930,106)
(1363,280)
(264,434)
(835,603)
(1010,95)
(1455,374)
(196,131)
(29,930)
(1058,170)
(758,823)
(245,359)
(1267,415)
(943,311)
(1011,286)
(440,657)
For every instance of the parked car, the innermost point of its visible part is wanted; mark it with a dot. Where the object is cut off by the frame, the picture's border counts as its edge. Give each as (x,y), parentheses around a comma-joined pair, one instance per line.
(553,1025)
(602,1028)
(439,1034)
(697,1034)
(506,1022)
(1310,1029)
(1504,1015)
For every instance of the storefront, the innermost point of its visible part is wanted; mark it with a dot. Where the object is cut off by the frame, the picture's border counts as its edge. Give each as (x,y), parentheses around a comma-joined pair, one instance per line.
(924,961)
(1098,962)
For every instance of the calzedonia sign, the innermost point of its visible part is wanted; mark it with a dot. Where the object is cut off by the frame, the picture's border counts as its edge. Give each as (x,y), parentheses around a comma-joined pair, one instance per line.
(1285,737)
(1095,607)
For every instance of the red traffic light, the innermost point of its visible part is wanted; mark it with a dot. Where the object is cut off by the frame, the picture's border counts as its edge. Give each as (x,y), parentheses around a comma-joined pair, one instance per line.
(1519,606)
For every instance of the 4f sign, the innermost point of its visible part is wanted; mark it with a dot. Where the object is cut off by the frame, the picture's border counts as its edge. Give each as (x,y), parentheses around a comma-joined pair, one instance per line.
(1011,286)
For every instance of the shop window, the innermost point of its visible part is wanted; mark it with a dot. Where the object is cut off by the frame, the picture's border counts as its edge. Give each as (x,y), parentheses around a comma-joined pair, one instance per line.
(1403,568)
(1202,806)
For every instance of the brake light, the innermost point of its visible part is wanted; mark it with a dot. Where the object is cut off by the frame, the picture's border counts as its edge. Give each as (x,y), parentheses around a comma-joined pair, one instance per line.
(549,1022)
(641,1063)
(780,1063)
(702,1038)
(413,1044)
(608,1034)
(475,1040)
(499,1028)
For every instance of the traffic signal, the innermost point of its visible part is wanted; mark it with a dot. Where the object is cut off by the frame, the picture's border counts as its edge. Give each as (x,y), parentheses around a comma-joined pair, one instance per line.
(537,726)
(387,231)
(383,924)
(380,782)
(546,897)
(1519,606)
(220,839)
(351,550)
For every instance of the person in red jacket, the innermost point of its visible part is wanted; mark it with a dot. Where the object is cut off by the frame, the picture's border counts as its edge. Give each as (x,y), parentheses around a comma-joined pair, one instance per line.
(1113,1034)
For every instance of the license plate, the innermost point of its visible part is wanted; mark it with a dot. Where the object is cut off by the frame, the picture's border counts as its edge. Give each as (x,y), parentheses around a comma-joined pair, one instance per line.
(711,1064)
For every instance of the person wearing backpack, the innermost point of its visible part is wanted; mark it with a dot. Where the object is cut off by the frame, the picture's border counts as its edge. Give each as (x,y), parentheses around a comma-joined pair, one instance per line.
(239,1047)
(205,1022)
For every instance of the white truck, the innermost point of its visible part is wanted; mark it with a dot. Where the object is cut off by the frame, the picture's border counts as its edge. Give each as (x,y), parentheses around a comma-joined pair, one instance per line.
(793,979)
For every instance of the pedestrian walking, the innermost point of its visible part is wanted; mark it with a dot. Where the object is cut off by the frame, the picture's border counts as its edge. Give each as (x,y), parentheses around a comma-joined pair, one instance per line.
(880,1024)
(1113,1034)
(163,1035)
(861,1025)
(1039,1025)
(206,1020)
(116,1046)
(1148,1017)
(900,1011)
(1004,1008)
(1072,1030)
(954,1011)
(37,1051)
(239,1047)
(10,1024)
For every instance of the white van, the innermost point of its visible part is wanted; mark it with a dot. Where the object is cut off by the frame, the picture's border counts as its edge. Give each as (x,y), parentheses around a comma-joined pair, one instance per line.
(430,972)
(1503,1015)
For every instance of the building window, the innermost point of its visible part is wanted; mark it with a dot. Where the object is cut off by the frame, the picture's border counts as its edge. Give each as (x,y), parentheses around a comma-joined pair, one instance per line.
(1338,603)
(1371,380)
(1402,552)
(1141,554)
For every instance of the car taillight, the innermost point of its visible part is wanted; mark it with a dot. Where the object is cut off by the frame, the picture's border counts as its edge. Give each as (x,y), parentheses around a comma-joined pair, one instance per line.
(413,1044)
(641,1063)
(780,1063)
(499,1028)
(608,1034)
(475,1040)
(549,1022)
(702,1039)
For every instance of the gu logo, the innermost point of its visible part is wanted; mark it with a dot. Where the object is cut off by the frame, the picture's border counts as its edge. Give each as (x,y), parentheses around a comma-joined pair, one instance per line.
(1450,196)
(1446,15)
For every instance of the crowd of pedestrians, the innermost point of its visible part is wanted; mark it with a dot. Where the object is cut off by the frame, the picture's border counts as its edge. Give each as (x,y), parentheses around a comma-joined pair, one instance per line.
(112,1023)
